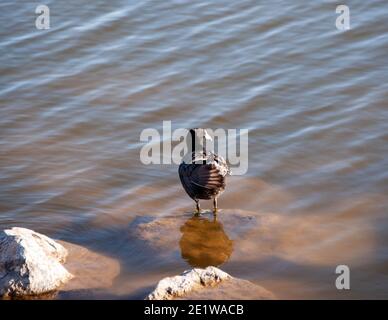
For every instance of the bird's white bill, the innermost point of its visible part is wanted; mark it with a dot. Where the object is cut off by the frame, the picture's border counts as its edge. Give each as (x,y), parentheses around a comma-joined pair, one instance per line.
(207,136)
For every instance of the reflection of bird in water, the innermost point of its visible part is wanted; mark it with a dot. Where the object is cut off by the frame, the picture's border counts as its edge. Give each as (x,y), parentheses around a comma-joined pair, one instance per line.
(203,173)
(204,243)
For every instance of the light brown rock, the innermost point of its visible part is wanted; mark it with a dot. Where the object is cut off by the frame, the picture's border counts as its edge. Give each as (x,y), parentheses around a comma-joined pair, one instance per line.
(207,284)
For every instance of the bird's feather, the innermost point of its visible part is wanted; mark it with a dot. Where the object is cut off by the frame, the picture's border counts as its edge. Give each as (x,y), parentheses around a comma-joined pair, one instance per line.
(204,181)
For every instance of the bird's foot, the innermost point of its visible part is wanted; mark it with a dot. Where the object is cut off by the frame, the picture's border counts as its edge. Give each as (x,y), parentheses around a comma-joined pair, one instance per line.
(197,211)
(215,209)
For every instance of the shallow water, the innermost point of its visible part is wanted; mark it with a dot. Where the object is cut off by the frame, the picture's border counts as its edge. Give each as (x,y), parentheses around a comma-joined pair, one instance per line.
(74,99)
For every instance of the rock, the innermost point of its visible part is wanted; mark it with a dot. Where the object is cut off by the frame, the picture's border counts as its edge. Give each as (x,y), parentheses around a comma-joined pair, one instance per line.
(203,241)
(91,270)
(208,284)
(188,281)
(30,263)
(233,289)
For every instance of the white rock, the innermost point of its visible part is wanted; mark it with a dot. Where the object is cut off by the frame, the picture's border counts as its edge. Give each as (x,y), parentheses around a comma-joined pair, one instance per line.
(30,263)
(209,283)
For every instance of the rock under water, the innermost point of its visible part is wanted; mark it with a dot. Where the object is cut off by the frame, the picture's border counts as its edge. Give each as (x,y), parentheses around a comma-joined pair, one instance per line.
(93,272)
(203,241)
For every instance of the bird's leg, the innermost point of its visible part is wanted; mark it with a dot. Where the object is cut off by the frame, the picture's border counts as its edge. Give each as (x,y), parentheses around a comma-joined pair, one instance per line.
(215,209)
(197,209)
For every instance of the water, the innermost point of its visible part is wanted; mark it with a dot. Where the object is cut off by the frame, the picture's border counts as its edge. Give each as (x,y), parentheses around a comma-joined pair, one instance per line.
(74,99)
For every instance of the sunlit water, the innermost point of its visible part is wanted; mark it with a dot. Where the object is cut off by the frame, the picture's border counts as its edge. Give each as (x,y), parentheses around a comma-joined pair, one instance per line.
(74,99)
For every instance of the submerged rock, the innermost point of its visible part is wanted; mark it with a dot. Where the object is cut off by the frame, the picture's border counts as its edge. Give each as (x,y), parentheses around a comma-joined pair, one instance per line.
(30,263)
(207,284)
(92,272)
(203,241)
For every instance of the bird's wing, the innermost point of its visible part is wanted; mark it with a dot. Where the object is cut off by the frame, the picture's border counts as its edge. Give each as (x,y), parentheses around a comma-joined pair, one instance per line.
(207,176)
(195,177)
(221,164)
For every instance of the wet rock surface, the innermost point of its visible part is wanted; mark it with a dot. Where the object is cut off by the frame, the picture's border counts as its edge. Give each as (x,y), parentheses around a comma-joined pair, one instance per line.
(203,240)
(92,271)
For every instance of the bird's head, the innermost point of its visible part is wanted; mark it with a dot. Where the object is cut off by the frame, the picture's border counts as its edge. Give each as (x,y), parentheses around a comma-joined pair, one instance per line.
(197,140)
(200,134)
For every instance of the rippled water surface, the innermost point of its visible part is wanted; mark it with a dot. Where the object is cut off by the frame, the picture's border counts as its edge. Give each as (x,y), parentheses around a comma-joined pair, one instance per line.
(74,99)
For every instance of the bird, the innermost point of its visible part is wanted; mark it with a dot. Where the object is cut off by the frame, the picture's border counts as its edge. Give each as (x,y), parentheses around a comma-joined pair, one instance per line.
(202,173)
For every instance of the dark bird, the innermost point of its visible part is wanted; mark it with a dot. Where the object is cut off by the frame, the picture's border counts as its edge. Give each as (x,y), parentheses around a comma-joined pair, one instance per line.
(202,173)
